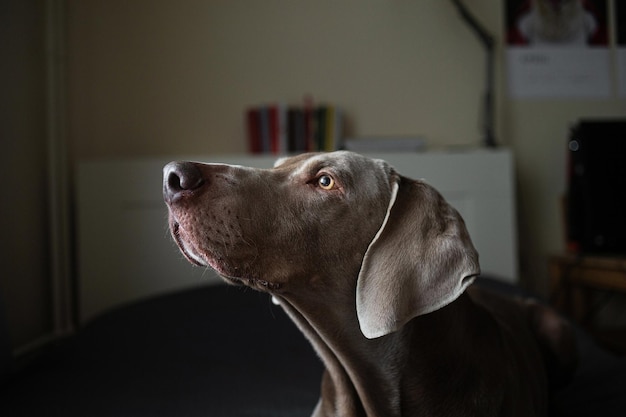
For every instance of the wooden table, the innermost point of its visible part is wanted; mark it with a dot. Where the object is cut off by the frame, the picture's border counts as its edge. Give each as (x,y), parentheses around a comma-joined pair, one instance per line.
(575,278)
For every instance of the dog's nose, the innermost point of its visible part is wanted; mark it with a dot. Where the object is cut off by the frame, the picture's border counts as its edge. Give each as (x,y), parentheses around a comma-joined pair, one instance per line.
(179,178)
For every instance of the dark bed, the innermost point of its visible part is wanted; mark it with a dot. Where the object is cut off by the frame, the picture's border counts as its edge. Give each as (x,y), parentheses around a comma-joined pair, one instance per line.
(223,351)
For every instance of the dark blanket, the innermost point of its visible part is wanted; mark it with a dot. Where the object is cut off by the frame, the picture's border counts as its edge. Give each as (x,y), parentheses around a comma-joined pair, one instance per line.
(222,351)
(211,351)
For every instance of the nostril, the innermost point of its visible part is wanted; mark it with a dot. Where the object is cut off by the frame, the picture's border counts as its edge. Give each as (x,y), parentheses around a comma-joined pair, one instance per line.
(179,177)
(174,182)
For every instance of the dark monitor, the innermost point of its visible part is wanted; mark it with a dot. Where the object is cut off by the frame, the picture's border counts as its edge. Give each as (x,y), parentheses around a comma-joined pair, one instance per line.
(596,203)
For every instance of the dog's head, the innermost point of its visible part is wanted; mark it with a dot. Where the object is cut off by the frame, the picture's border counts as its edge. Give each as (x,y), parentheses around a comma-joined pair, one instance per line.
(322,224)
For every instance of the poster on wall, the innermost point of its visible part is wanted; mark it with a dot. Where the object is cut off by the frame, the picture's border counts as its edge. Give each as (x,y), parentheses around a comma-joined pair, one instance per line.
(557,49)
(620,25)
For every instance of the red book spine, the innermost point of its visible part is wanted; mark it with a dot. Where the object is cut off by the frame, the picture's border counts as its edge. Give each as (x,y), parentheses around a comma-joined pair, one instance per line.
(253,128)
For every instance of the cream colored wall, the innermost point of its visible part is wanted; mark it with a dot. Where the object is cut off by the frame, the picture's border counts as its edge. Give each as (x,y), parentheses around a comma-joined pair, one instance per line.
(150,77)
(154,77)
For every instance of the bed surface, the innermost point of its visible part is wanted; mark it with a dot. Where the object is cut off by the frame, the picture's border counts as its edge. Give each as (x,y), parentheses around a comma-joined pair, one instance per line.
(210,351)
(224,351)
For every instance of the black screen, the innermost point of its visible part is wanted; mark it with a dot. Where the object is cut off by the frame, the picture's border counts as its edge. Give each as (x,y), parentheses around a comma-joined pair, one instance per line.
(597,187)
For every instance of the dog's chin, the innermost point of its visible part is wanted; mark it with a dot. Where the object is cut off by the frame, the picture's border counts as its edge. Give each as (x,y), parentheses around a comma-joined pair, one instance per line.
(254,283)
(229,275)
(187,252)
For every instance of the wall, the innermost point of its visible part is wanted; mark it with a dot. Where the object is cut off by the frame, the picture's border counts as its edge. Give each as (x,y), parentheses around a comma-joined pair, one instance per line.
(24,289)
(150,78)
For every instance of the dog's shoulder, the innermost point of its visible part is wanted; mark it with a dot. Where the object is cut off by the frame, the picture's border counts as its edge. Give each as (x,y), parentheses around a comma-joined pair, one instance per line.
(521,317)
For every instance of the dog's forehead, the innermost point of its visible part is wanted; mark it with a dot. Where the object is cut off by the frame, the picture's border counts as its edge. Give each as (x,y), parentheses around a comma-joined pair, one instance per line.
(339,161)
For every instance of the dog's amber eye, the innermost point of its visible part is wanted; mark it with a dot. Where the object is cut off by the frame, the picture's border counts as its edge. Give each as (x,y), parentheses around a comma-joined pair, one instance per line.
(326,182)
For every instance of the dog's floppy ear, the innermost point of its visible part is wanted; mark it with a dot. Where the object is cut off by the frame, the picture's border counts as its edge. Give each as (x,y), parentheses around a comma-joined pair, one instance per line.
(420,260)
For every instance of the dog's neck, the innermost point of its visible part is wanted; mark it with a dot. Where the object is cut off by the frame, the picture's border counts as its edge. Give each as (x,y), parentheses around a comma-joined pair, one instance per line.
(354,362)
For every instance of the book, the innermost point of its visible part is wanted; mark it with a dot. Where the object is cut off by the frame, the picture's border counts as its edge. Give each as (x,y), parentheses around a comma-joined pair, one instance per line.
(333,137)
(319,129)
(277,118)
(295,129)
(264,130)
(253,130)
(278,129)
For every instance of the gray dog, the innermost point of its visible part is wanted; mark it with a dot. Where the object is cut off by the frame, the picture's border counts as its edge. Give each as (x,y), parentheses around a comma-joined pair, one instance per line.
(374,269)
